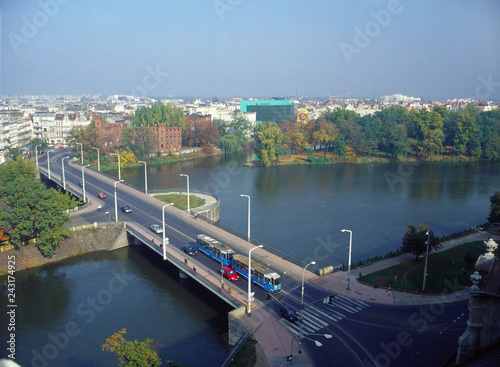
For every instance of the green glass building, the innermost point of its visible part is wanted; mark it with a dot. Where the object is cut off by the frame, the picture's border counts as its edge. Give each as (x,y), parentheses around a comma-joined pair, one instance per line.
(275,109)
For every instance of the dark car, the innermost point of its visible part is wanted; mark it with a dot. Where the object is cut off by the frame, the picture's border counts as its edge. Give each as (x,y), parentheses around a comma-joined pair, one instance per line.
(126,209)
(289,313)
(190,250)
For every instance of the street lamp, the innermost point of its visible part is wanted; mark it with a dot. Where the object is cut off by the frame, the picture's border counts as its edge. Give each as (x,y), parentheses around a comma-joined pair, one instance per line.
(98,160)
(187,177)
(302,302)
(163,219)
(81,151)
(48,161)
(36,154)
(116,202)
(318,344)
(119,171)
(64,176)
(426,256)
(83,182)
(349,263)
(145,177)
(250,294)
(246,196)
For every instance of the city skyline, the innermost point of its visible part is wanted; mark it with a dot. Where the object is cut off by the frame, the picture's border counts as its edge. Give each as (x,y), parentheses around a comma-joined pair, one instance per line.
(228,48)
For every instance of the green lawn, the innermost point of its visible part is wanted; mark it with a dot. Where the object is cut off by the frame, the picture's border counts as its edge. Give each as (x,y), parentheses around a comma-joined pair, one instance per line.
(443,268)
(181,201)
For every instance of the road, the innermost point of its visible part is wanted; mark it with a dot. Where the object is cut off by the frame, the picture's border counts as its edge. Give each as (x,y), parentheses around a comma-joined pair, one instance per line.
(363,333)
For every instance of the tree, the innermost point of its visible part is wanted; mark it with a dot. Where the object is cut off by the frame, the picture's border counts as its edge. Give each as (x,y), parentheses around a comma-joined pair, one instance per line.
(267,137)
(229,143)
(159,113)
(494,216)
(199,134)
(28,210)
(132,353)
(140,140)
(324,134)
(239,126)
(415,240)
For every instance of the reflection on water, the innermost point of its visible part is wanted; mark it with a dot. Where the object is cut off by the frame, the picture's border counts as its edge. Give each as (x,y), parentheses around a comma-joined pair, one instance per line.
(297,209)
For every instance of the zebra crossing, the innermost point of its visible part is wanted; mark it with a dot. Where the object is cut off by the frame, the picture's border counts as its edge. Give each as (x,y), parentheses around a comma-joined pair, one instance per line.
(332,309)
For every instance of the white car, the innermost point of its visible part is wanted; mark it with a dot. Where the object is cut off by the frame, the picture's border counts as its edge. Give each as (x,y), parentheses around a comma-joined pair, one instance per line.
(156,228)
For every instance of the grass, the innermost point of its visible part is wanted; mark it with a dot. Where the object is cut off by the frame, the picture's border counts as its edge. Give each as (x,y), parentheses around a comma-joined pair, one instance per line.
(180,201)
(443,268)
(247,356)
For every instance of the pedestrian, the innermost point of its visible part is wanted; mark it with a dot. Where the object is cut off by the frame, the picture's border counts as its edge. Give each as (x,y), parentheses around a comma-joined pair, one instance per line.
(186,260)
(268,295)
(229,289)
(195,216)
(194,268)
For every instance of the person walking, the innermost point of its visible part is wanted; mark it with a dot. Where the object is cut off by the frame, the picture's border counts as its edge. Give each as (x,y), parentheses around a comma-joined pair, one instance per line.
(194,268)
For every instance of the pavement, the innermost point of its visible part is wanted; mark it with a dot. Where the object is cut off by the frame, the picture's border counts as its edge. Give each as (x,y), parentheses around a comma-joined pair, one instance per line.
(274,340)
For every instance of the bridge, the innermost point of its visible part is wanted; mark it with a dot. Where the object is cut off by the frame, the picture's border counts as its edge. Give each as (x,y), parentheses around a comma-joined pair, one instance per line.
(181,229)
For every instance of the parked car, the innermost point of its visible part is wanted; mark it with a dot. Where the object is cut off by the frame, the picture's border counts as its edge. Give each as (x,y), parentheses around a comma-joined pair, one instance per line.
(126,209)
(156,228)
(101,195)
(190,250)
(289,313)
(229,274)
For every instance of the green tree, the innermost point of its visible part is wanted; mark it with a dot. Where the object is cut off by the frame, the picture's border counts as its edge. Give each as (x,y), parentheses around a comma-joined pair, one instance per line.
(239,126)
(160,113)
(28,210)
(324,135)
(132,353)
(494,216)
(140,140)
(415,240)
(267,137)
(229,143)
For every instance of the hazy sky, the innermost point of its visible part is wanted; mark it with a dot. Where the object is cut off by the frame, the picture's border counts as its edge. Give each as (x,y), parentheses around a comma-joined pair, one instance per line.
(251,48)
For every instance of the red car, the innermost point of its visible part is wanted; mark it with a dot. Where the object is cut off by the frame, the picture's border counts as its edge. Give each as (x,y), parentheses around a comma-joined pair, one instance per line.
(229,274)
(101,195)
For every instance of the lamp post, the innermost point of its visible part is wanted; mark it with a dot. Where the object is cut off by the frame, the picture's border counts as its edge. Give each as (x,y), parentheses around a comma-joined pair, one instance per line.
(426,256)
(64,176)
(145,177)
(81,151)
(250,294)
(163,219)
(187,177)
(83,182)
(36,154)
(349,262)
(318,344)
(98,160)
(116,201)
(119,171)
(302,303)
(246,196)
(48,161)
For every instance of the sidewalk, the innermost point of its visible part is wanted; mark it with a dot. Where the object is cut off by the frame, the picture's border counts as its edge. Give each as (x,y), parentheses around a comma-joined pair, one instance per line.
(337,282)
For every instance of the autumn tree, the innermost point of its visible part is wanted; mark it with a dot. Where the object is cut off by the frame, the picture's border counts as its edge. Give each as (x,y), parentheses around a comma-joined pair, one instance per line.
(268,137)
(415,240)
(324,134)
(132,353)
(200,133)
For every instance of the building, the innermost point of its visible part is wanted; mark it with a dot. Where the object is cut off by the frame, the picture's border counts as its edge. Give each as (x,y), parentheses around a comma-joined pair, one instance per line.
(276,109)
(16,131)
(54,127)
(110,135)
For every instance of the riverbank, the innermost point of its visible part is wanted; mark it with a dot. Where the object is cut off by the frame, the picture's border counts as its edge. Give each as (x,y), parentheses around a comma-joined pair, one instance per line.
(298,159)
(77,243)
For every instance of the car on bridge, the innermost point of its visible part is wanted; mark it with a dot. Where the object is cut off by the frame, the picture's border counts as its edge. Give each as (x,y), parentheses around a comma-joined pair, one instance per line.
(190,250)
(229,273)
(101,195)
(156,228)
(126,209)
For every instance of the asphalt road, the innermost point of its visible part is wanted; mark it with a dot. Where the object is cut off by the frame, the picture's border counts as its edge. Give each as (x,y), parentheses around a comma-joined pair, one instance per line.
(362,333)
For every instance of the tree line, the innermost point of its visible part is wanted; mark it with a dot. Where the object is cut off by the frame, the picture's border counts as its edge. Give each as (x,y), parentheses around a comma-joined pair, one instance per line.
(394,132)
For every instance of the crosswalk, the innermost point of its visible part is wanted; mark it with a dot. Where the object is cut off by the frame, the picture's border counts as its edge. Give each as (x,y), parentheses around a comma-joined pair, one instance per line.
(318,316)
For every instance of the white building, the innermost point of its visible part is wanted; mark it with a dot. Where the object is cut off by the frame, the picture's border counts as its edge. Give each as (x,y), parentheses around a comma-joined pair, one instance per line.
(16,131)
(54,127)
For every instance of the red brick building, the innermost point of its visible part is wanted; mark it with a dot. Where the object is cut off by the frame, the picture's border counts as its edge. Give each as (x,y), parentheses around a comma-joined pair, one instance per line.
(110,135)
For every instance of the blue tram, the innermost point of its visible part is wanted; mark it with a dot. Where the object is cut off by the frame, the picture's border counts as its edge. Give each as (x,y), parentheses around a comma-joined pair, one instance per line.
(214,249)
(261,275)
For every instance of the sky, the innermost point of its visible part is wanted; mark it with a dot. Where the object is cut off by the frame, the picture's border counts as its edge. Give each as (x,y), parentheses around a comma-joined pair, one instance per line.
(251,48)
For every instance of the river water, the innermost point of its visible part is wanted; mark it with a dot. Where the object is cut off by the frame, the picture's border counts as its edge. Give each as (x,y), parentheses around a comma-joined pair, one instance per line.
(66,310)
